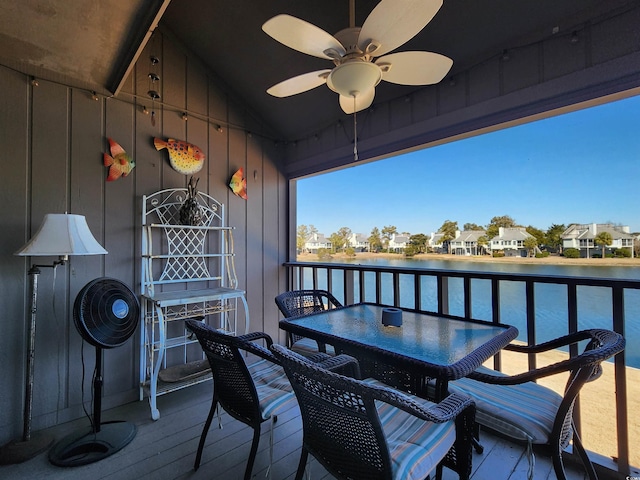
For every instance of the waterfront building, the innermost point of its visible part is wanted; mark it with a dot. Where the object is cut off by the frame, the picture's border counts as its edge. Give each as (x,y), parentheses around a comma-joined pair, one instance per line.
(435,243)
(466,243)
(359,242)
(583,238)
(316,242)
(397,243)
(511,241)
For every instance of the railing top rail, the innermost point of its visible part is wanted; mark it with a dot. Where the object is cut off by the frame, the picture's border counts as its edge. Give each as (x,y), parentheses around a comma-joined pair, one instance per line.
(438,272)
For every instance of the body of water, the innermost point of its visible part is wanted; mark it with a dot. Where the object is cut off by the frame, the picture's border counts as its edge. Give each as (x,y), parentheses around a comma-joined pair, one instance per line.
(594,303)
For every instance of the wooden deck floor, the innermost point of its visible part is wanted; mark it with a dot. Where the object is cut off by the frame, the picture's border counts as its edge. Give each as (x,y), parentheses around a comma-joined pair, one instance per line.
(165,449)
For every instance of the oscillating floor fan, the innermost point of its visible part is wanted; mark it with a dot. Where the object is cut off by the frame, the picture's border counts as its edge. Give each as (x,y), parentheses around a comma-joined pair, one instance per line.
(106,313)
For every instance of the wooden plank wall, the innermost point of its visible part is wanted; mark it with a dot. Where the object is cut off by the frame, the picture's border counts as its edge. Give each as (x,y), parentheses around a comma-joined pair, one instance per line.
(53,138)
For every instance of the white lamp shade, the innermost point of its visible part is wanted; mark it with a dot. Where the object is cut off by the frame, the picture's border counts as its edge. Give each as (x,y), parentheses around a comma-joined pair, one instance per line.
(62,234)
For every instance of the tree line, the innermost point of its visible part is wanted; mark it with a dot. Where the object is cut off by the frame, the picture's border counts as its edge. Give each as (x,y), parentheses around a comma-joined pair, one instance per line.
(418,243)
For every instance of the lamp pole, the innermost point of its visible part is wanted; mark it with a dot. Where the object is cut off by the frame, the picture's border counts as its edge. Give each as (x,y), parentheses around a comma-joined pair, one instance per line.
(31,445)
(34,271)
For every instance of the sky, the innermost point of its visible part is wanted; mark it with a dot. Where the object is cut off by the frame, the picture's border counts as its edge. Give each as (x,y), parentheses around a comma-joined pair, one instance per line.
(579,167)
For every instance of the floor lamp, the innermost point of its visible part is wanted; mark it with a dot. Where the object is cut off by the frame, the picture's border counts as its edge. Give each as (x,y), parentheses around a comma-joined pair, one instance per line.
(60,235)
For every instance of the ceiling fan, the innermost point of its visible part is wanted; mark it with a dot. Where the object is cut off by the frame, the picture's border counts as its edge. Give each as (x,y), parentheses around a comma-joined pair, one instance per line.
(361,55)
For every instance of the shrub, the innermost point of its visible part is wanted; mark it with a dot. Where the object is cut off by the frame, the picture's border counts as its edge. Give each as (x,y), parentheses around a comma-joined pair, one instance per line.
(571,253)
(324,253)
(542,254)
(350,252)
(410,251)
(498,253)
(622,253)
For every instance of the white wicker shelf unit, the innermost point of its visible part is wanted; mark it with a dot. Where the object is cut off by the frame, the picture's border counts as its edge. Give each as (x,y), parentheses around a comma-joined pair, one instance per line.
(187,272)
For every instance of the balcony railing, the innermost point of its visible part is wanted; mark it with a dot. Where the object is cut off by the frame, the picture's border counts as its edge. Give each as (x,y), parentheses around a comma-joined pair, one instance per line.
(429,290)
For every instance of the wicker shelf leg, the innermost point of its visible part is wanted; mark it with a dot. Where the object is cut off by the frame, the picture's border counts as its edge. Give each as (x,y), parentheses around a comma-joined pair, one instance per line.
(155,368)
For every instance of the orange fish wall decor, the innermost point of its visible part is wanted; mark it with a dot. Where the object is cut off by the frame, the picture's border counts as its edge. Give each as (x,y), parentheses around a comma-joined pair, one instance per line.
(119,162)
(184,157)
(238,184)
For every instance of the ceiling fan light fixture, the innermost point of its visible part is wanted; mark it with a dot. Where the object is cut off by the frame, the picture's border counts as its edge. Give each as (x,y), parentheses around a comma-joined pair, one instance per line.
(352,78)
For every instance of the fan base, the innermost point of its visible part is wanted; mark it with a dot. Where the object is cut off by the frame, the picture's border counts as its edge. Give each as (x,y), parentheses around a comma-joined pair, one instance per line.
(82,448)
(20,451)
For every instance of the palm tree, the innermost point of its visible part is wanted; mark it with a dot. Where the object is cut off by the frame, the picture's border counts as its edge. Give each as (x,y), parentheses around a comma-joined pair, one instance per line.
(530,244)
(604,239)
(387,234)
(483,241)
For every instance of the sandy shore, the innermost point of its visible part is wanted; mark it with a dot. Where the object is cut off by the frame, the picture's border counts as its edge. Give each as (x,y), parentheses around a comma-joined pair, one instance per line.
(550,260)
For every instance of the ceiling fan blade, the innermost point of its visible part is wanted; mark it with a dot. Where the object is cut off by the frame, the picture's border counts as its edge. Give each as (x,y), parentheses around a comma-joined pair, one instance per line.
(393,23)
(364,100)
(414,68)
(303,36)
(299,84)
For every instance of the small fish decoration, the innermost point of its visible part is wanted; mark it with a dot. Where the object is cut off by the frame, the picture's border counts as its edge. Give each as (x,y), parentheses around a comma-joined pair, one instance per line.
(119,162)
(238,184)
(184,157)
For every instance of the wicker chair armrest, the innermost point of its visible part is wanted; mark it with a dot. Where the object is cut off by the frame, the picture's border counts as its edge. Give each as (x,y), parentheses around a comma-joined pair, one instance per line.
(248,344)
(253,336)
(500,379)
(447,410)
(318,357)
(532,375)
(342,363)
(551,344)
(603,344)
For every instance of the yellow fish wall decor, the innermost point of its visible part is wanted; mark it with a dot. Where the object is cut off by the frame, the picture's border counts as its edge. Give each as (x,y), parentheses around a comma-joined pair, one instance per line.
(238,184)
(119,162)
(184,157)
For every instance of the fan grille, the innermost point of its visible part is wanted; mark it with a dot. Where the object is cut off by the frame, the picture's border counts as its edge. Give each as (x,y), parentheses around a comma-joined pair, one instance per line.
(106,312)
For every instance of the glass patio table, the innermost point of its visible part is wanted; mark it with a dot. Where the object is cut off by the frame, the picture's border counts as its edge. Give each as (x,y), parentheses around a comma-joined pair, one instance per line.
(425,347)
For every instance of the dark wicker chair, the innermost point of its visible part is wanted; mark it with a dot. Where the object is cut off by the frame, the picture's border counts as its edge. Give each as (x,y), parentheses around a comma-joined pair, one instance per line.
(362,429)
(517,407)
(303,302)
(249,393)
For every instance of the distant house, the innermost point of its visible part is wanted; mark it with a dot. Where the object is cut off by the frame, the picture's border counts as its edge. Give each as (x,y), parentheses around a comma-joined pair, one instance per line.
(582,237)
(511,241)
(359,242)
(466,242)
(316,242)
(436,245)
(398,243)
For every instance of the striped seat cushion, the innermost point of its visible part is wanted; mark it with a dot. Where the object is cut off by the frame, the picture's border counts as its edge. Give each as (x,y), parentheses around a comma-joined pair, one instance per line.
(524,412)
(272,385)
(416,446)
(308,346)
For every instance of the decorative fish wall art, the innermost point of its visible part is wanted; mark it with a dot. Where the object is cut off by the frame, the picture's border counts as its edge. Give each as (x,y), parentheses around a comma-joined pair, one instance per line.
(119,162)
(184,157)
(238,184)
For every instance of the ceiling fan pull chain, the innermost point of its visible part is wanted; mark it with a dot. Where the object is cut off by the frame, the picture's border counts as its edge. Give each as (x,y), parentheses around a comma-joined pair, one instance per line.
(355,132)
